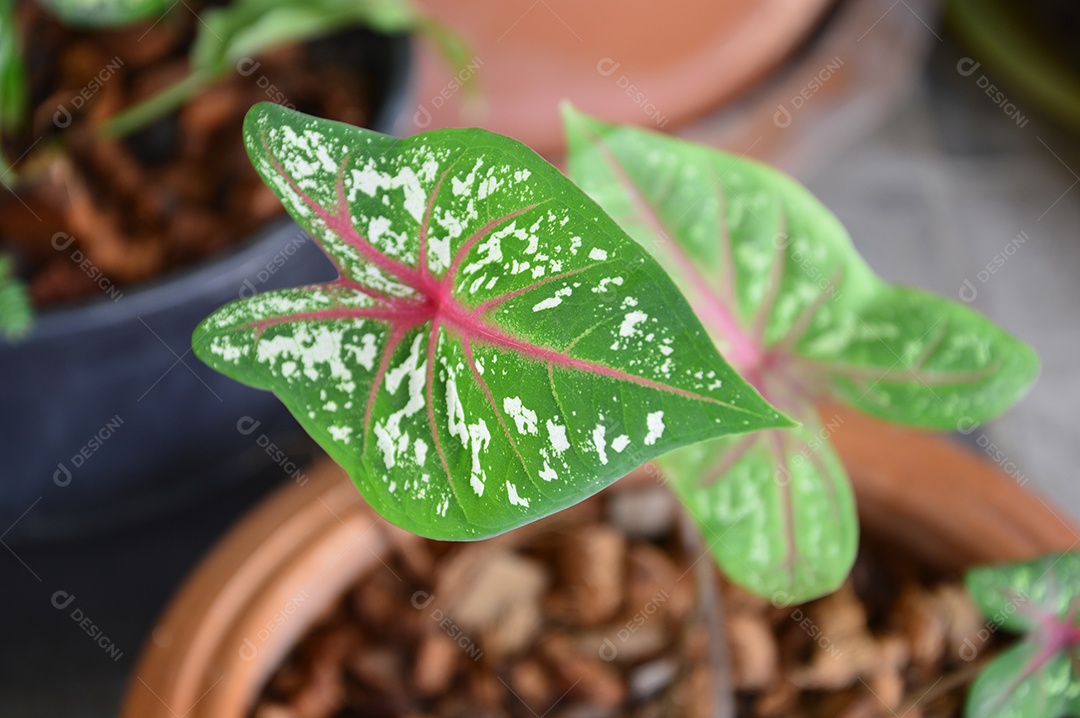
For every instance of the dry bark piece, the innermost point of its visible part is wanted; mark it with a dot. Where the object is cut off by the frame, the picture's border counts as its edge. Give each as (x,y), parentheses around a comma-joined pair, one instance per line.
(779,700)
(592,567)
(584,676)
(381,668)
(646,512)
(532,685)
(436,663)
(494,594)
(755,658)
(656,581)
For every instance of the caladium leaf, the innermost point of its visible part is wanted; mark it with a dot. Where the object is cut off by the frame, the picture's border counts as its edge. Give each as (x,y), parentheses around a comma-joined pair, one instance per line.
(775,508)
(1023,682)
(778,284)
(1037,677)
(106,13)
(496,348)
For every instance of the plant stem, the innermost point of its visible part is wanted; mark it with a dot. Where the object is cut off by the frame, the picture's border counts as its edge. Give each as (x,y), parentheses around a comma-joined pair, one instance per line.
(712,611)
(946,683)
(155,106)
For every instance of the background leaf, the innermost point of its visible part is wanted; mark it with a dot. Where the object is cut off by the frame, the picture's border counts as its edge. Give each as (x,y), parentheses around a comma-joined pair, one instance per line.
(778,284)
(775,508)
(1021,596)
(1024,682)
(1038,676)
(497,348)
(106,13)
(16,313)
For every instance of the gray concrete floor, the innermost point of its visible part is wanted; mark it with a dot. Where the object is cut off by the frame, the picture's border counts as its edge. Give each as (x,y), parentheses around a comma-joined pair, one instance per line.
(930,199)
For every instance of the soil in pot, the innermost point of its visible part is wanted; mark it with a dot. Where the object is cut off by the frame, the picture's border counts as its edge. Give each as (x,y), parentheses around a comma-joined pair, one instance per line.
(172,193)
(595,612)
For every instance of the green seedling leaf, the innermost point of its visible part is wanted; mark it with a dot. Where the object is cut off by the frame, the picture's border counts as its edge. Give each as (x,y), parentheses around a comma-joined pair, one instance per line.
(247,28)
(234,33)
(12,71)
(15,310)
(106,13)
(496,348)
(12,84)
(777,282)
(1037,677)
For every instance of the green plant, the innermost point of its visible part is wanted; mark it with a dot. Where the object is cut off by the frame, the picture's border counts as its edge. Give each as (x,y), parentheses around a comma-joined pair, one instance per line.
(105,13)
(15,310)
(248,28)
(226,35)
(791,304)
(1039,675)
(494,327)
(495,349)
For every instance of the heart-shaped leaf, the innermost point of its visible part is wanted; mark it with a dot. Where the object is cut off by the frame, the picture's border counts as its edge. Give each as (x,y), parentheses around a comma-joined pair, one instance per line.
(1037,677)
(776,281)
(496,348)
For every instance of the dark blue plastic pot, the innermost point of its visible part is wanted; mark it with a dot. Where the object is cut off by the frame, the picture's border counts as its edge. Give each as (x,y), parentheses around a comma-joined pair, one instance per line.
(106,416)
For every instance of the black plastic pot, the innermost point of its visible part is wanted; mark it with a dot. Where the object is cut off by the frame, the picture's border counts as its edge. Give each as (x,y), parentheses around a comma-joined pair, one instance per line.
(107,417)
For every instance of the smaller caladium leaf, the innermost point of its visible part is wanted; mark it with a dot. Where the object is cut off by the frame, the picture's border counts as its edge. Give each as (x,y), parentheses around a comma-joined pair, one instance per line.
(496,348)
(775,508)
(1037,677)
(777,282)
(1023,682)
(106,13)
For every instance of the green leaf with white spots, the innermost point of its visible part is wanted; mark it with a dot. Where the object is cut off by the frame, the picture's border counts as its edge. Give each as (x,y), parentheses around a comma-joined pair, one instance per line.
(774,507)
(1037,677)
(495,349)
(1024,682)
(106,13)
(778,284)
(1023,596)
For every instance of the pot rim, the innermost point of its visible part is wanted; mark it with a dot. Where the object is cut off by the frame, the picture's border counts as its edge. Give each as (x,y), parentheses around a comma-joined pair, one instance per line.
(275,550)
(225,269)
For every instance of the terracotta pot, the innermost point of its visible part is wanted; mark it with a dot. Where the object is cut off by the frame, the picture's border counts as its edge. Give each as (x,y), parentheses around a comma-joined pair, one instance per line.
(642,62)
(280,569)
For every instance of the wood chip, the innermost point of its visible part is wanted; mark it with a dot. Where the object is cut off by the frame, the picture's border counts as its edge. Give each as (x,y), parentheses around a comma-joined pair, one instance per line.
(436,663)
(754,653)
(592,566)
